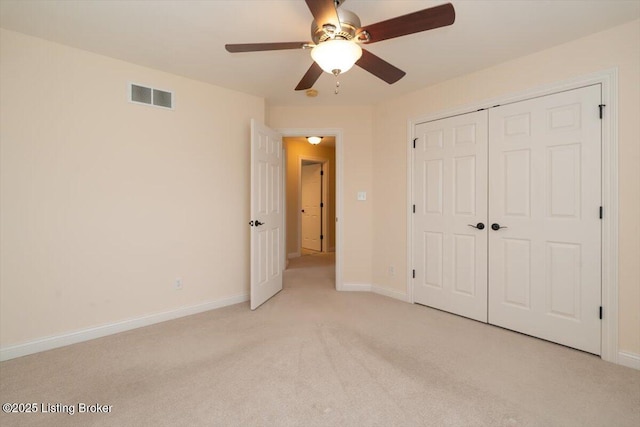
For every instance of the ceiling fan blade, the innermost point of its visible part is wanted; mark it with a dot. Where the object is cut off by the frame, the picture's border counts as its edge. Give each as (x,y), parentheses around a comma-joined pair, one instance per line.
(310,77)
(257,47)
(422,20)
(379,67)
(324,12)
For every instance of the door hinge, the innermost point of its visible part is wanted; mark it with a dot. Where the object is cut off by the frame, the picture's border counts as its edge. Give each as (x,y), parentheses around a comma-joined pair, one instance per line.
(414,208)
(414,274)
(600,312)
(322,204)
(601,107)
(321,172)
(414,142)
(601,212)
(321,237)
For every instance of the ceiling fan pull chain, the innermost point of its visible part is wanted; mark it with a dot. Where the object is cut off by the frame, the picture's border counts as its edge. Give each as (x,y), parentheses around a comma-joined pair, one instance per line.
(337,86)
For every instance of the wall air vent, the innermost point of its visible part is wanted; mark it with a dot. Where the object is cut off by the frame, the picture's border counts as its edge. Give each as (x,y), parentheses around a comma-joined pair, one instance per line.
(139,94)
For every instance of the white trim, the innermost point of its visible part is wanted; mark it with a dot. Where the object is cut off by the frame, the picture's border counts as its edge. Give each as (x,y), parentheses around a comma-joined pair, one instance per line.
(337,133)
(283,206)
(630,360)
(609,345)
(409,276)
(293,255)
(363,287)
(402,296)
(609,81)
(606,76)
(355,287)
(49,343)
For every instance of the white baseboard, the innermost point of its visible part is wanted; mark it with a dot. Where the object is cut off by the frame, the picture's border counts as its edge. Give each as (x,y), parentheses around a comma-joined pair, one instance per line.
(630,360)
(363,287)
(355,287)
(50,343)
(293,255)
(402,296)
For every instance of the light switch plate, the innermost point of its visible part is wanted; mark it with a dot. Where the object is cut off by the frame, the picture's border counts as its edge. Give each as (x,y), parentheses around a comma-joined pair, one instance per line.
(362,195)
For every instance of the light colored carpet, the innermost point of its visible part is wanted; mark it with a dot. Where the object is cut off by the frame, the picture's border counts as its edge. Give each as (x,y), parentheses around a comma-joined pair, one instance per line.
(312,356)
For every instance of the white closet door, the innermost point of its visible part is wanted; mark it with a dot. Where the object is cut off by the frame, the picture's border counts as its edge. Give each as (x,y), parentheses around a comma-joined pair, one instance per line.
(450,196)
(545,193)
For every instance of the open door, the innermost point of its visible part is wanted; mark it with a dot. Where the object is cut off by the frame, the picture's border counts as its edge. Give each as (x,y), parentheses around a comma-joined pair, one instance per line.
(267,214)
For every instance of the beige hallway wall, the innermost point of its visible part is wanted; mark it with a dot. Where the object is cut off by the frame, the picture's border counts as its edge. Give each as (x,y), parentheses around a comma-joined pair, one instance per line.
(618,47)
(356,126)
(299,148)
(104,202)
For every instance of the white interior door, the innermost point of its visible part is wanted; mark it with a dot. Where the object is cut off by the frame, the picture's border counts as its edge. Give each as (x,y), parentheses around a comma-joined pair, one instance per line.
(450,196)
(545,194)
(310,200)
(267,214)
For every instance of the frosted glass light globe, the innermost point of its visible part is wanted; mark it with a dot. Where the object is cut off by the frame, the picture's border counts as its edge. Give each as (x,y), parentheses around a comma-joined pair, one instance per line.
(336,56)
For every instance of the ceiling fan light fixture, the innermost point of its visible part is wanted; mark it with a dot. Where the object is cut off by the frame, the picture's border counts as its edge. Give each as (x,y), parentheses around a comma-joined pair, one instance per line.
(314,140)
(336,56)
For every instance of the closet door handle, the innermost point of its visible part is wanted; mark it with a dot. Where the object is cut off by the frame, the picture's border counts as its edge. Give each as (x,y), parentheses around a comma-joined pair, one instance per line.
(495,226)
(479,226)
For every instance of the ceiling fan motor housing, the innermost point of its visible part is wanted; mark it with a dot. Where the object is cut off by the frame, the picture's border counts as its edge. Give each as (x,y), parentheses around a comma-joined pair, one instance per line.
(349,23)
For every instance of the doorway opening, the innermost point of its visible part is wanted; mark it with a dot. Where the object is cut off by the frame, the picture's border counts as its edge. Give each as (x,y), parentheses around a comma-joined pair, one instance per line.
(310,192)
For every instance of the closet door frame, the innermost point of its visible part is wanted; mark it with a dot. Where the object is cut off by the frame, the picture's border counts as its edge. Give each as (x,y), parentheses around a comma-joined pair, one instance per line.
(608,79)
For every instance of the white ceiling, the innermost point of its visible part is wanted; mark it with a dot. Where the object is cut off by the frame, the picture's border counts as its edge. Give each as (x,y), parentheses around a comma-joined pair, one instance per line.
(188,37)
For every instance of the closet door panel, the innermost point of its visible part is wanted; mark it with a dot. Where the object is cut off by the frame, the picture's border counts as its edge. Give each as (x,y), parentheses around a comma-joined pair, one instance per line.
(450,196)
(545,194)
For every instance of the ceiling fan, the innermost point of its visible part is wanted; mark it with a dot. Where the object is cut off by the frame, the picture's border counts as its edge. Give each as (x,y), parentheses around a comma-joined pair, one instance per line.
(337,35)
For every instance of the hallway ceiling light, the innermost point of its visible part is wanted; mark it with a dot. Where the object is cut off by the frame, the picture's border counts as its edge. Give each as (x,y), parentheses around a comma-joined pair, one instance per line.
(314,140)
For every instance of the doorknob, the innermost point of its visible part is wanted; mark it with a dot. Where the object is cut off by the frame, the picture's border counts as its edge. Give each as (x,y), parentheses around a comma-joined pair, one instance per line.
(302,210)
(479,226)
(258,223)
(495,226)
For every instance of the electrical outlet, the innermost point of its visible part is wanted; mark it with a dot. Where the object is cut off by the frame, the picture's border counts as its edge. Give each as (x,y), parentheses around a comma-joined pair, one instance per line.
(178,284)
(392,270)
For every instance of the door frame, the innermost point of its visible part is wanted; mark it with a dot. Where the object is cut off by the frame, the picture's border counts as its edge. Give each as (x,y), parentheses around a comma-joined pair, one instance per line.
(609,252)
(337,133)
(325,179)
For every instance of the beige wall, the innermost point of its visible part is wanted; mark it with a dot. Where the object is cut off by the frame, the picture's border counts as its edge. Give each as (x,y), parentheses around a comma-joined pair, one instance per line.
(356,125)
(298,148)
(104,202)
(618,47)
